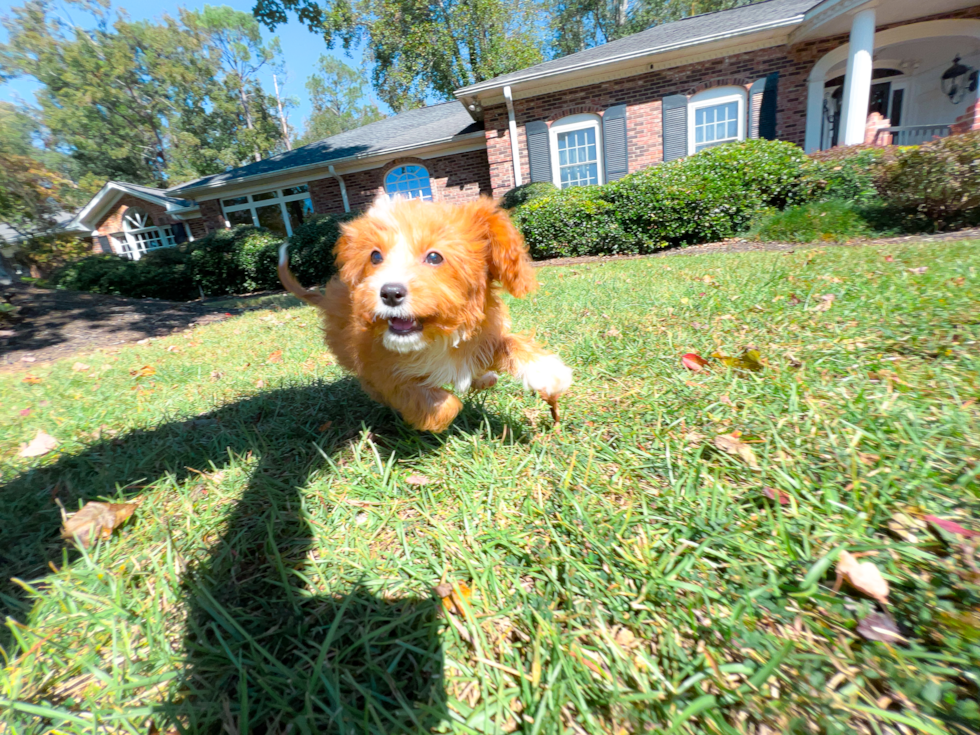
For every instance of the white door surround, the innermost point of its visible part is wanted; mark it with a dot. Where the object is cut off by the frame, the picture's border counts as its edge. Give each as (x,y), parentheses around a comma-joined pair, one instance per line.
(890,37)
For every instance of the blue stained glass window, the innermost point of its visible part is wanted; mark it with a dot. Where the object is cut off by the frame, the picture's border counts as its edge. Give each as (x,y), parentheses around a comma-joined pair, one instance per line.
(410,182)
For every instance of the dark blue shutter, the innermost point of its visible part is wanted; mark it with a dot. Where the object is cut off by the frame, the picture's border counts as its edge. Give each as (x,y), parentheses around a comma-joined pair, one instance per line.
(180,232)
(755,106)
(767,110)
(102,244)
(675,126)
(538,150)
(614,147)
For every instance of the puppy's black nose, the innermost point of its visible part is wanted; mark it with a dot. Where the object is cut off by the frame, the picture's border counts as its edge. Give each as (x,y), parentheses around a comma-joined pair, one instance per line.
(393,294)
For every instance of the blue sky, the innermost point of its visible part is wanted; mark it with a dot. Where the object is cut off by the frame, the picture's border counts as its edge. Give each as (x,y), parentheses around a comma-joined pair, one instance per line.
(300,48)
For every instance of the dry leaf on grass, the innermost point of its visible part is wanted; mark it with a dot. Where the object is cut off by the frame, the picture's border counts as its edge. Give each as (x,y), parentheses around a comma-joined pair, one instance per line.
(453,600)
(144,372)
(694,362)
(958,281)
(918,271)
(826,301)
(94,520)
(25,412)
(951,526)
(732,444)
(32,380)
(612,332)
(275,356)
(173,348)
(39,445)
(260,384)
(880,627)
(750,360)
(417,479)
(79,367)
(889,259)
(862,576)
(774,493)
(325,426)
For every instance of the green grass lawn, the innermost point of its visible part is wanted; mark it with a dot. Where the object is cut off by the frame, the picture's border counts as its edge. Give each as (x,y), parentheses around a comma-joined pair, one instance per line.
(625,575)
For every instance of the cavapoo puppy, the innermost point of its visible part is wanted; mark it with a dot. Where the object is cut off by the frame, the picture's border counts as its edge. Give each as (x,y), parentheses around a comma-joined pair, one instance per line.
(415,307)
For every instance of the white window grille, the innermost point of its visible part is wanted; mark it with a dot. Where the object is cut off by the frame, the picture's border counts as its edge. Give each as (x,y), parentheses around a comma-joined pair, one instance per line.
(576,151)
(411,182)
(281,210)
(716,116)
(140,235)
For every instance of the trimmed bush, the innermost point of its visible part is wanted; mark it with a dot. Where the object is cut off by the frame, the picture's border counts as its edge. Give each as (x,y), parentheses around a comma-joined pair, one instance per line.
(311,248)
(159,275)
(939,181)
(576,221)
(520,195)
(233,261)
(831,221)
(850,173)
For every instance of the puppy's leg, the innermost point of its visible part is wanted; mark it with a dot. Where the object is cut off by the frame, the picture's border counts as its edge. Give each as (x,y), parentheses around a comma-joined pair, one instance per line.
(541,371)
(484,382)
(425,408)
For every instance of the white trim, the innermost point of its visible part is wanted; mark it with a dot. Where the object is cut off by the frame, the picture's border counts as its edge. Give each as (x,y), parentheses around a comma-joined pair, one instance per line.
(736,33)
(343,188)
(99,203)
(582,121)
(714,97)
(515,157)
(252,206)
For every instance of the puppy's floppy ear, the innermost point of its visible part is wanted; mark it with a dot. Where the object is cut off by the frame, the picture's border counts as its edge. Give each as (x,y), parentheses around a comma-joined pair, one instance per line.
(507,254)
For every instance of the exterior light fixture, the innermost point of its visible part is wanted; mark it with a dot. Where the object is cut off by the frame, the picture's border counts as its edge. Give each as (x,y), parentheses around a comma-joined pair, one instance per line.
(957,80)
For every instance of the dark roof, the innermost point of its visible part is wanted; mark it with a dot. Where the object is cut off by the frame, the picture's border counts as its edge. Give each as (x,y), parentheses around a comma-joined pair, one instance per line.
(409,129)
(686,32)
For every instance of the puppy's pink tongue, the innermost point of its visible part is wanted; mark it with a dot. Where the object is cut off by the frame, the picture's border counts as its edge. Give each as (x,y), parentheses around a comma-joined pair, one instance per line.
(402,325)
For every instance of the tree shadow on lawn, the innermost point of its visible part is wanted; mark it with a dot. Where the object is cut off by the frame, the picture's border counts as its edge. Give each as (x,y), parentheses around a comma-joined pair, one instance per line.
(262,654)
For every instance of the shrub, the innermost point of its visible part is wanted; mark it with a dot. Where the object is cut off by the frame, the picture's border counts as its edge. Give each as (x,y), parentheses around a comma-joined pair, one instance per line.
(152,277)
(850,173)
(525,193)
(233,261)
(938,180)
(311,248)
(831,221)
(576,221)
(43,254)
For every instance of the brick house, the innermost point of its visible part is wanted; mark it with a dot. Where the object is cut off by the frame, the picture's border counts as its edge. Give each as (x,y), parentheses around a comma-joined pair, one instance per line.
(817,73)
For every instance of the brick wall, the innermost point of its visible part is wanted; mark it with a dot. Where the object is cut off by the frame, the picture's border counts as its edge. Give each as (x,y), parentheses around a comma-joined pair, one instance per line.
(457,177)
(642,95)
(112,222)
(212,217)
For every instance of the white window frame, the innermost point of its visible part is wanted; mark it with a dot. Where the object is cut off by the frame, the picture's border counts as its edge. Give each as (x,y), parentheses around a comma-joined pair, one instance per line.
(428,175)
(134,247)
(251,204)
(714,98)
(570,124)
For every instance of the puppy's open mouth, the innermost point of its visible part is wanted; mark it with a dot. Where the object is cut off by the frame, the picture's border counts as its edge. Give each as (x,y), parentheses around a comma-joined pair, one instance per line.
(404,326)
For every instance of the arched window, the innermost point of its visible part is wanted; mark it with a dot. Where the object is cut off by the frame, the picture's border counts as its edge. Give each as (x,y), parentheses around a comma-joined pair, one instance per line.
(140,234)
(576,151)
(410,181)
(715,116)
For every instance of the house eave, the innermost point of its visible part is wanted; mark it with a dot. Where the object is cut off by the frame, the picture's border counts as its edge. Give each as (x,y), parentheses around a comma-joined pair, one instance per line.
(475,91)
(101,201)
(335,162)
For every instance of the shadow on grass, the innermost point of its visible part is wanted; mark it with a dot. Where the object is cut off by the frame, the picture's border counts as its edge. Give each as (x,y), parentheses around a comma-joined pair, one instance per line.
(262,652)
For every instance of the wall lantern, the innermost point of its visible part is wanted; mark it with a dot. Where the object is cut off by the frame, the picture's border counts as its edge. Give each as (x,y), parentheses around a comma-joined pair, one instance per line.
(957,80)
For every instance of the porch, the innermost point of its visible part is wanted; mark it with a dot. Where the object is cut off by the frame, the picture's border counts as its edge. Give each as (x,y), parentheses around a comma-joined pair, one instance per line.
(901,86)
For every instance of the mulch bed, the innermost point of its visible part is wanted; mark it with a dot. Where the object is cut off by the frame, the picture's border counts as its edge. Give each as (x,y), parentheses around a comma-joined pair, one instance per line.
(55,324)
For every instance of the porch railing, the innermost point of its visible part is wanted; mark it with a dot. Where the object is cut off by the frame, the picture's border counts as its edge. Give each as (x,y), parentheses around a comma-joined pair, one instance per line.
(910,134)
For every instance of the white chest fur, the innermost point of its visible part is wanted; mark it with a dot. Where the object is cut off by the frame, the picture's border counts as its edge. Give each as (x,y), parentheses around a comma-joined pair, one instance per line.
(447,361)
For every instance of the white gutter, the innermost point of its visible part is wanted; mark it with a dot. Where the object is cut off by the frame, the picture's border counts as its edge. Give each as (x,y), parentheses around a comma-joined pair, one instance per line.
(512,125)
(772,25)
(343,189)
(321,164)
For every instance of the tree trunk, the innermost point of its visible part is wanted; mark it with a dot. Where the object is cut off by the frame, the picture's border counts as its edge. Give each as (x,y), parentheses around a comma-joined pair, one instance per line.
(243,98)
(282,117)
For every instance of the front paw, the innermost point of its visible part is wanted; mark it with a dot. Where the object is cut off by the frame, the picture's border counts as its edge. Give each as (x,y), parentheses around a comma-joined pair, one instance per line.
(484,382)
(548,376)
(439,415)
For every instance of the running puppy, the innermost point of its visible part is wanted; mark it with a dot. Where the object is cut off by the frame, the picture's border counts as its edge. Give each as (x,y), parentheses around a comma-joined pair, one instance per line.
(415,307)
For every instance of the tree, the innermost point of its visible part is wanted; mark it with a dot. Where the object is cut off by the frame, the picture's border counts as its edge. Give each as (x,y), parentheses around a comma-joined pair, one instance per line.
(236,42)
(580,24)
(423,48)
(339,101)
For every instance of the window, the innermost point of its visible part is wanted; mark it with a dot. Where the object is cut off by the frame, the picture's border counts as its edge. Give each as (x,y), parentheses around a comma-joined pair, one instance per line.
(716,116)
(280,210)
(411,182)
(140,235)
(576,151)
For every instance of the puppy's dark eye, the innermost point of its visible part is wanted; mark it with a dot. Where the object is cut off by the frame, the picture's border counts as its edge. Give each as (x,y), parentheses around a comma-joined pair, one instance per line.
(433,259)
(376,257)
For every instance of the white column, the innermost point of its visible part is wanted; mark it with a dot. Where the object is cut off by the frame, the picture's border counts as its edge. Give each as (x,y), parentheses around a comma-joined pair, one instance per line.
(857,82)
(515,155)
(814,114)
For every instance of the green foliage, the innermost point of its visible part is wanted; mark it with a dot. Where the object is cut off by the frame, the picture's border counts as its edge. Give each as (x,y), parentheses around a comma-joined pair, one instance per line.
(339,101)
(311,248)
(524,193)
(233,261)
(576,221)
(42,255)
(850,173)
(422,49)
(939,181)
(829,221)
(709,196)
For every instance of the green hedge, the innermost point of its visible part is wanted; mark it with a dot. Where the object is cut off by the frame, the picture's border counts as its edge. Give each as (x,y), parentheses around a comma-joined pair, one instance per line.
(850,173)
(311,248)
(524,193)
(709,196)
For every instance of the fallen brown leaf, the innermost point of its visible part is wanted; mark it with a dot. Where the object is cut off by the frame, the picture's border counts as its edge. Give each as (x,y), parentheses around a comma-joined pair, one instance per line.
(880,627)
(260,384)
(774,493)
(417,479)
(79,367)
(863,576)
(173,348)
(918,271)
(694,362)
(96,520)
(732,444)
(889,259)
(958,281)
(750,360)
(143,372)
(612,332)
(32,380)
(453,600)
(275,356)
(325,426)
(40,445)
(826,301)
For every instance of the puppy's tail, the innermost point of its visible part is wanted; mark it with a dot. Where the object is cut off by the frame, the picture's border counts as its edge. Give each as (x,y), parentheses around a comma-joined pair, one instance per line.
(291,284)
